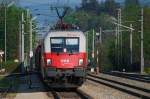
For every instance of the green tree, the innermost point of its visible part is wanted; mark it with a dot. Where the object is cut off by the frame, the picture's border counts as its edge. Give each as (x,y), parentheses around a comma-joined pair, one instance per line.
(147,36)
(111,7)
(131,2)
(13,17)
(90,6)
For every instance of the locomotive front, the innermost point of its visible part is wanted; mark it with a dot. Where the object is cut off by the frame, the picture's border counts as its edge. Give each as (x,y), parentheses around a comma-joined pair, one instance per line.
(64,57)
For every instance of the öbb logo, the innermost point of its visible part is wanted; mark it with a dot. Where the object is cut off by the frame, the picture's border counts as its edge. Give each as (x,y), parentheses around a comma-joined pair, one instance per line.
(65,61)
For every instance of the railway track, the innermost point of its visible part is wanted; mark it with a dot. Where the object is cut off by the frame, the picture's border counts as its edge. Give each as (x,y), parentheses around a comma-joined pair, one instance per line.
(52,93)
(68,93)
(132,76)
(3,92)
(125,87)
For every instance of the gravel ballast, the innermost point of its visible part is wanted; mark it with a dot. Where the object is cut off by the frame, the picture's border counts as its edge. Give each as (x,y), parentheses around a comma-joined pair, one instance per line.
(99,91)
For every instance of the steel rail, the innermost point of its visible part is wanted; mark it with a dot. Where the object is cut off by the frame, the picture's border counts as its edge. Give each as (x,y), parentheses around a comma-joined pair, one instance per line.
(130,89)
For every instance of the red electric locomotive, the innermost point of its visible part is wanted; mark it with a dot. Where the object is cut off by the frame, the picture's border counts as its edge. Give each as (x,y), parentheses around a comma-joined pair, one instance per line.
(61,58)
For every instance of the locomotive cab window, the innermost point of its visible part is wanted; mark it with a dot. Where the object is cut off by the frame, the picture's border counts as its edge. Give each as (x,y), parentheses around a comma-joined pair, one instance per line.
(58,44)
(72,45)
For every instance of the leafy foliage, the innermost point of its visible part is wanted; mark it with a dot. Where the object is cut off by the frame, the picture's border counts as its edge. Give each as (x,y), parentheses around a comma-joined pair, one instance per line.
(147,36)
(13,30)
(111,7)
(132,2)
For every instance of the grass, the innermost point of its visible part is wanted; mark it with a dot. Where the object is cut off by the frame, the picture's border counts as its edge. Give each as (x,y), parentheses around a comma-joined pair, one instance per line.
(11,95)
(10,67)
(4,83)
(147,70)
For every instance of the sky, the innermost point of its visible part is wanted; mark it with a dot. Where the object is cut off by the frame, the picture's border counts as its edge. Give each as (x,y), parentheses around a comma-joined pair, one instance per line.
(35,2)
(47,17)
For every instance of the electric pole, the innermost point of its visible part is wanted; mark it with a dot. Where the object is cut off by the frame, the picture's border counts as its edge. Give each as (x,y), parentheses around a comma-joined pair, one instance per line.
(20,42)
(99,53)
(93,47)
(22,35)
(6,6)
(116,46)
(120,22)
(5,33)
(87,44)
(100,35)
(31,52)
(131,43)
(118,39)
(142,41)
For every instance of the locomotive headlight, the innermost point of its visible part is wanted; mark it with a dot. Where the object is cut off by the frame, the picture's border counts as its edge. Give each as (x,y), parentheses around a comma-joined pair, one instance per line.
(49,61)
(80,62)
(65,50)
